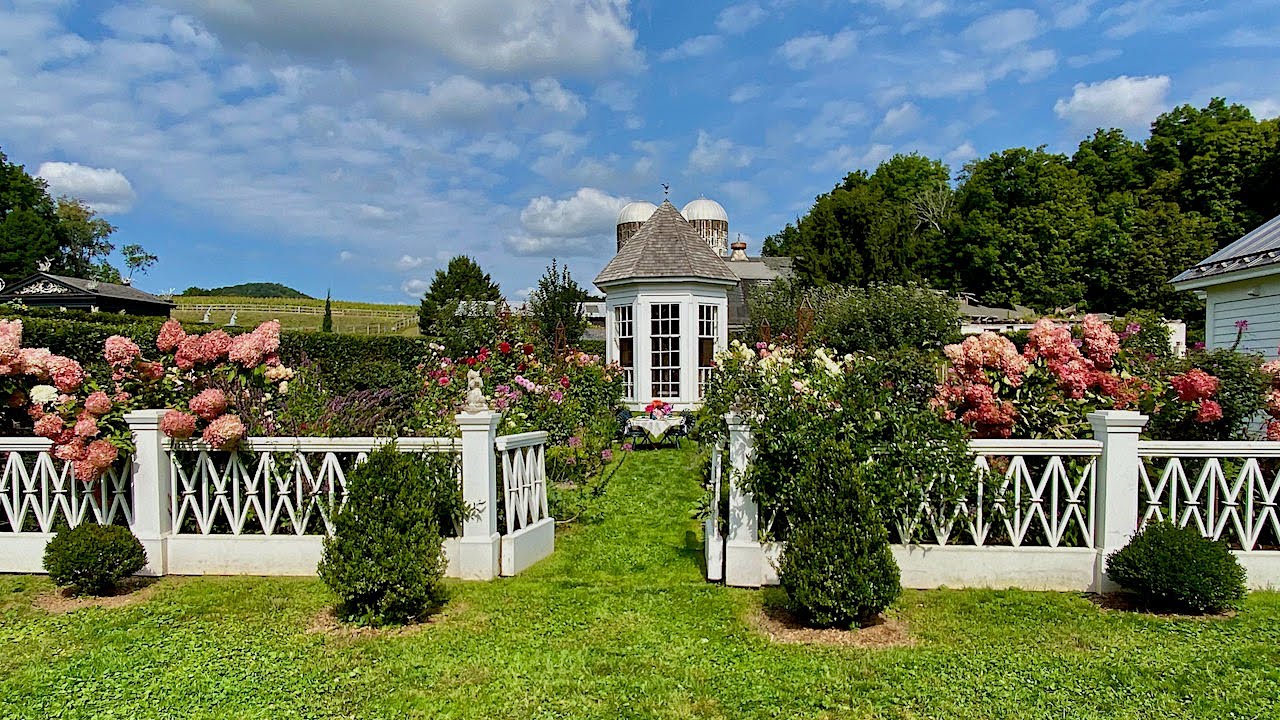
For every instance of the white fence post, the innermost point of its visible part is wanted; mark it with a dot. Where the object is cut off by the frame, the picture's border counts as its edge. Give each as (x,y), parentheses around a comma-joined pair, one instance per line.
(743,555)
(152,514)
(479,548)
(1116,511)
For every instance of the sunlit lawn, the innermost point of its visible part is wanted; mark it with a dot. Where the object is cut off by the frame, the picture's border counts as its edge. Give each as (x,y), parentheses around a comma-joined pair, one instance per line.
(620,623)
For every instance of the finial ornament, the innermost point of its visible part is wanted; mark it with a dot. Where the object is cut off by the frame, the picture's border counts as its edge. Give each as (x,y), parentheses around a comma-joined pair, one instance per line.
(666,190)
(44,265)
(476,401)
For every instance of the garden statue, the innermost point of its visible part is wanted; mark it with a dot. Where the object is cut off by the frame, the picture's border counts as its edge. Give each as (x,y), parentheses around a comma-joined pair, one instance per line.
(475,395)
(205,319)
(232,321)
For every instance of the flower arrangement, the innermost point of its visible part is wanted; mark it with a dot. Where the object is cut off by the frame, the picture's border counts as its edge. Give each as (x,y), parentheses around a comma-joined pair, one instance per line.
(658,409)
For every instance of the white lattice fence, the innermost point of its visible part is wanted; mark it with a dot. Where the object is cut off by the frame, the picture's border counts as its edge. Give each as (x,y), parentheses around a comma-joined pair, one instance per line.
(1226,490)
(39,491)
(524,478)
(271,486)
(1039,494)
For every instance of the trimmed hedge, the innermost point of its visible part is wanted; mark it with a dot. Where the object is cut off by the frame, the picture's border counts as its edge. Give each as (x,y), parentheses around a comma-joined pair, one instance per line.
(1175,568)
(93,558)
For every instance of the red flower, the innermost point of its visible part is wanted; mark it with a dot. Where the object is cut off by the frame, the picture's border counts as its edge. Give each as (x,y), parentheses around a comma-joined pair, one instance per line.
(504,347)
(471,361)
(1210,411)
(528,349)
(564,381)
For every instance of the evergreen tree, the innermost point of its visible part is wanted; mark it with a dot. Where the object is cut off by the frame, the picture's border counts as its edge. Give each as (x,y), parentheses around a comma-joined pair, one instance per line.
(29,229)
(461,280)
(326,325)
(558,300)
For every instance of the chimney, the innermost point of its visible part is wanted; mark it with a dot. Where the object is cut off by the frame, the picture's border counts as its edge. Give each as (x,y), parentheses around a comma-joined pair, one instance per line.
(739,253)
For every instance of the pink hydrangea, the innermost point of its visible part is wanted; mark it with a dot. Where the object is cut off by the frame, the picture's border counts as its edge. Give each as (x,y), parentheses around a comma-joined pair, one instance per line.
(10,345)
(35,362)
(75,449)
(151,370)
(1194,385)
(224,433)
(1273,430)
(986,351)
(86,427)
(98,403)
(1050,341)
(1100,342)
(209,404)
(178,425)
(49,425)
(120,351)
(67,374)
(268,336)
(85,471)
(188,352)
(101,454)
(1209,411)
(171,333)
(247,350)
(214,346)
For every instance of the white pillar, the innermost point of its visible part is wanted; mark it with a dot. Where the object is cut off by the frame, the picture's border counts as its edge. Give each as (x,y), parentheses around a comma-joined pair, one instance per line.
(152,513)
(479,546)
(1115,509)
(743,554)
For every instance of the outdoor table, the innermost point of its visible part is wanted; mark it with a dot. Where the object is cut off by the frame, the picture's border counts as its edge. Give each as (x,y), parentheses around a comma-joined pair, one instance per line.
(654,428)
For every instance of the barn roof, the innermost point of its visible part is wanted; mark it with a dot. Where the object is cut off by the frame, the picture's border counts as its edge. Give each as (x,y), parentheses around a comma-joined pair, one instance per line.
(1258,248)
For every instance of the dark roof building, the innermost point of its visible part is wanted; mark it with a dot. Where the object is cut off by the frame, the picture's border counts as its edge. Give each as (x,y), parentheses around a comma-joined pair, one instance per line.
(1247,256)
(46,290)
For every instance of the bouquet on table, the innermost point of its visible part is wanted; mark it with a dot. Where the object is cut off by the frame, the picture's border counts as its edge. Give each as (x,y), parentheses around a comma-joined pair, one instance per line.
(658,409)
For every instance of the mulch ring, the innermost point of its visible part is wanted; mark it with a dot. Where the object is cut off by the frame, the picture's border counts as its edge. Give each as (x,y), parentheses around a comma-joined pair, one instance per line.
(884,632)
(131,591)
(1128,603)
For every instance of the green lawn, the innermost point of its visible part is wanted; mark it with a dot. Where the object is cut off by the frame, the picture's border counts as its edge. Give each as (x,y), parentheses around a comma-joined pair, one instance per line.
(619,623)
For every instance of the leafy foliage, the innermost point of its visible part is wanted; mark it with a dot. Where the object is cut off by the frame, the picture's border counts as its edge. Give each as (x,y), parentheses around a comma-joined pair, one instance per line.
(461,281)
(558,301)
(1175,568)
(385,561)
(92,558)
(837,568)
(257,290)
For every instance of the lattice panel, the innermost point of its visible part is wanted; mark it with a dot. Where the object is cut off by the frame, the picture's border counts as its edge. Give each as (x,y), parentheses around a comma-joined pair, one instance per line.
(267,492)
(1232,499)
(1046,502)
(37,491)
(524,482)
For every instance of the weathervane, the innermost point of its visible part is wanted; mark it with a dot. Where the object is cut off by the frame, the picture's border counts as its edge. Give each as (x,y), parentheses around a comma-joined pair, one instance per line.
(666,190)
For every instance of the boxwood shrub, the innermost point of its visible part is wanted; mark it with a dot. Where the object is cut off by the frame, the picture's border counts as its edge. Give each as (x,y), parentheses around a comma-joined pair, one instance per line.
(1175,568)
(385,560)
(93,558)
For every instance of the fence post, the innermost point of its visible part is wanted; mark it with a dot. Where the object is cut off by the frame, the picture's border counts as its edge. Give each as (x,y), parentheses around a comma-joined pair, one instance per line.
(1116,500)
(743,554)
(479,546)
(152,514)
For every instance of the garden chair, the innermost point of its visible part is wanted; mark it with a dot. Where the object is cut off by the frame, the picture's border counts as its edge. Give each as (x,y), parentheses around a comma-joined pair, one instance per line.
(680,431)
(623,416)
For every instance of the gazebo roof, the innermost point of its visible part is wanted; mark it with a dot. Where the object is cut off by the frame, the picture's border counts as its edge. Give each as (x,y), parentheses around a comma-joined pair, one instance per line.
(666,246)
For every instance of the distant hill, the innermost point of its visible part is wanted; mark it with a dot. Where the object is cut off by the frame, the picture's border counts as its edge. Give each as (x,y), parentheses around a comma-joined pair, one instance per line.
(260,290)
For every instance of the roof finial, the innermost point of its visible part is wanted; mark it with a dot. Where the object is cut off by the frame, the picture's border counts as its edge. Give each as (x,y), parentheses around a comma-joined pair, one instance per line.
(666,191)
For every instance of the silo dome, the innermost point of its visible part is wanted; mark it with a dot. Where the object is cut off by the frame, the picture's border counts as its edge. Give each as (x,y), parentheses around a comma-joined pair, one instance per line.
(638,211)
(704,209)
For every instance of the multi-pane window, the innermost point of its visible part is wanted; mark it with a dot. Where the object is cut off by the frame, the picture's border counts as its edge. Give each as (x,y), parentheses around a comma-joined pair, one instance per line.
(664,334)
(708,331)
(624,329)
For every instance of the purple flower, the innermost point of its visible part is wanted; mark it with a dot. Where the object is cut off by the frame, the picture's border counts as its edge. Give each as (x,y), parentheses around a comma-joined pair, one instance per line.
(557,397)
(627,447)
(1133,328)
(571,460)
(575,442)
(606,455)
(1242,325)
(1198,346)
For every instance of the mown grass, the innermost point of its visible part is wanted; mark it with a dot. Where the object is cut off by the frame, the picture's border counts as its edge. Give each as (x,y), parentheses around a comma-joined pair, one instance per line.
(354,317)
(618,624)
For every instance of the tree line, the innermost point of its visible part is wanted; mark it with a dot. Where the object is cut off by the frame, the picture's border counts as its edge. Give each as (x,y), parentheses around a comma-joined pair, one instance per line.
(1103,229)
(36,227)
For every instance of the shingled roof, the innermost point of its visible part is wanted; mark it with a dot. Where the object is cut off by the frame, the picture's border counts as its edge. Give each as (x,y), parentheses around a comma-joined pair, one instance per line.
(1258,248)
(666,246)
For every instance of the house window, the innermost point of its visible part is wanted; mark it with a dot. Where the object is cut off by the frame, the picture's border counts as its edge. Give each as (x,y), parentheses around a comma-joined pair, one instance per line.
(624,329)
(708,331)
(664,330)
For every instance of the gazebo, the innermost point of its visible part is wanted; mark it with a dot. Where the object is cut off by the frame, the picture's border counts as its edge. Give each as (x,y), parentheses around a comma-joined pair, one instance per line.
(666,304)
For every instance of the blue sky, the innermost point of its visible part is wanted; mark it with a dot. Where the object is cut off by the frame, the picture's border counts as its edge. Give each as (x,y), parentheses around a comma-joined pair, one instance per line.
(358,146)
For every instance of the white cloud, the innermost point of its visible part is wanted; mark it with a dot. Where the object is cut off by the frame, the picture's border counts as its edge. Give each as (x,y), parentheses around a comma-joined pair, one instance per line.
(1264,108)
(106,190)
(456,99)
(409,262)
(743,93)
(737,19)
(961,154)
(415,287)
(346,256)
(1003,30)
(518,37)
(899,120)
(846,158)
(919,9)
(710,155)
(1124,102)
(816,48)
(552,95)
(616,96)
(693,47)
(1072,15)
(832,122)
(570,226)
(1093,58)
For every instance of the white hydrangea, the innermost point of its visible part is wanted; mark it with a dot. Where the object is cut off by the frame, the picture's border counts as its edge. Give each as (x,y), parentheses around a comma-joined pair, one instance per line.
(43,394)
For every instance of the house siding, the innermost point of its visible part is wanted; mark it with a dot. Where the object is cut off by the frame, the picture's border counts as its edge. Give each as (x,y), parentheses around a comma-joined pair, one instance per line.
(1256,301)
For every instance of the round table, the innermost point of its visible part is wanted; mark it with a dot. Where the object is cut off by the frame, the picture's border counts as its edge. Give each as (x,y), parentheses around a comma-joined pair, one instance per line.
(656,429)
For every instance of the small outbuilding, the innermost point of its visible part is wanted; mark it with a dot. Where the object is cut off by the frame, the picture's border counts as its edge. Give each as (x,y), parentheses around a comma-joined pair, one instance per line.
(666,307)
(1241,288)
(46,290)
